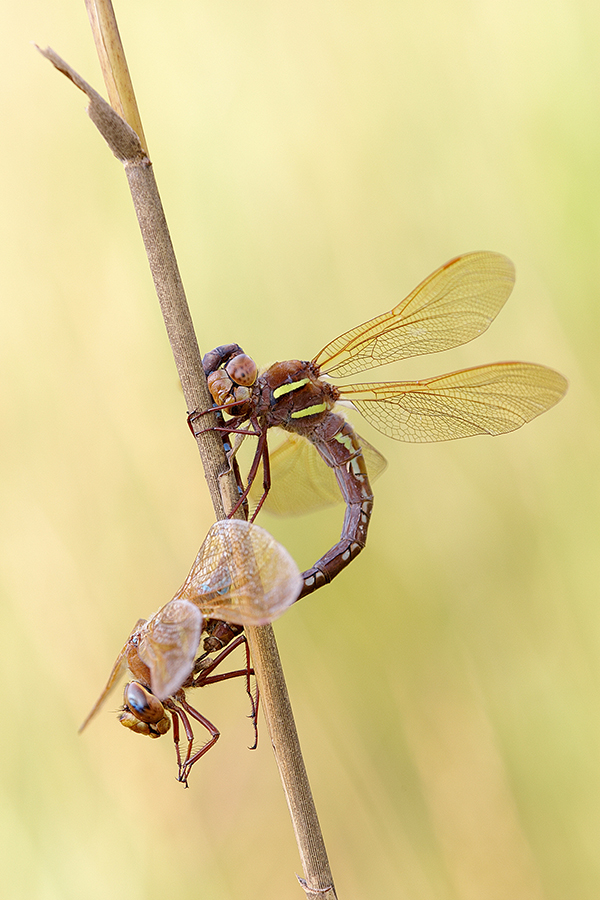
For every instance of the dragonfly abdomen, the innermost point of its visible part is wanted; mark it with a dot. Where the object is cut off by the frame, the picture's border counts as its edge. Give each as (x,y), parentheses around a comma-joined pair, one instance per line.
(339,447)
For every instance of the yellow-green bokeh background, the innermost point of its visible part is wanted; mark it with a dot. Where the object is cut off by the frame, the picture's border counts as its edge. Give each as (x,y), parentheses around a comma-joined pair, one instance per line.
(316,161)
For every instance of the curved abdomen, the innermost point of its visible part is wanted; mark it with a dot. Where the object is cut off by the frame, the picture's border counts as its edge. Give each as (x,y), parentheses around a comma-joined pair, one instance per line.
(339,447)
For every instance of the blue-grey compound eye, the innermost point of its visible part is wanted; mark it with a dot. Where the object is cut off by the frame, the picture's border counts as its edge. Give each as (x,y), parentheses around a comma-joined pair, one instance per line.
(142,703)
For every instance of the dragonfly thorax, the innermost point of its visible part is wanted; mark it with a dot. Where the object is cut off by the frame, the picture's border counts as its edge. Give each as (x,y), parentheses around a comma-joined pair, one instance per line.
(137,667)
(291,395)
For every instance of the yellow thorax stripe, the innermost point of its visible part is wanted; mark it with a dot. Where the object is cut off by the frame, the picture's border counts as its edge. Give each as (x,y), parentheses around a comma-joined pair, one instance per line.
(309,411)
(288,388)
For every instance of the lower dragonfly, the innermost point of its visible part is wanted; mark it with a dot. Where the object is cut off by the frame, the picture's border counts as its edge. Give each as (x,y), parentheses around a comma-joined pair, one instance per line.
(241,576)
(452,306)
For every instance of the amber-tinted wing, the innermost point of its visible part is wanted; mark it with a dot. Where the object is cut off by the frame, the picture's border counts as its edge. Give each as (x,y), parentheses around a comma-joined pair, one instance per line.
(242,575)
(490,399)
(300,480)
(454,305)
(168,645)
(117,670)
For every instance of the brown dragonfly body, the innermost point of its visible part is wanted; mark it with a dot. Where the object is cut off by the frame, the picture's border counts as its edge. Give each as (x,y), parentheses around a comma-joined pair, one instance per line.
(451,307)
(144,713)
(291,395)
(241,576)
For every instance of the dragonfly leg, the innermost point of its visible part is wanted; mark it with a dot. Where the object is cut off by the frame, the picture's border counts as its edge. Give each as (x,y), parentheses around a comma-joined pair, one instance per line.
(206,677)
(266,480)
(262,451)
(175,718)
(226,429)
(217,660)
(231,449)
(190,759)
(231,454)
(177,715)
(254,697)
(196,414)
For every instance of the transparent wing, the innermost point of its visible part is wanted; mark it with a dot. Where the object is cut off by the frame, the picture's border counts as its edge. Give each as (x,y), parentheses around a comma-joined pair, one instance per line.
(490,399)
(300,480)
(168,645)
(242,575)
(117,670)
(454,305)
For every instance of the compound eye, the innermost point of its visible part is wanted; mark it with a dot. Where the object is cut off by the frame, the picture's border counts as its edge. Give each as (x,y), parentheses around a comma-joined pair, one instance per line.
(142,703)
(242,370)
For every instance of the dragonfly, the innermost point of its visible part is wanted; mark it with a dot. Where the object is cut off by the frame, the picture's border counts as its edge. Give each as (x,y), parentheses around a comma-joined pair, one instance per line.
(241,576)
(452,306)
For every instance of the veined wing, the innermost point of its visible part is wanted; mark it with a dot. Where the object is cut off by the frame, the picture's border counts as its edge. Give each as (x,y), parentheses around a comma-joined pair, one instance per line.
(168,645)
(117,670)
(301,482)
(454,305)
(242,575)
(490,399)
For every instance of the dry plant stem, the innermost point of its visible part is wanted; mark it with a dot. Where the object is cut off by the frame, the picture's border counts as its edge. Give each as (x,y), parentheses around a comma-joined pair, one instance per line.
(286,747)
(126,146)
(178,323)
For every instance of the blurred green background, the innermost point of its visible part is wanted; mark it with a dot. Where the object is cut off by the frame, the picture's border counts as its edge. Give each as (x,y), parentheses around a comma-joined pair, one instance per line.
(316,161)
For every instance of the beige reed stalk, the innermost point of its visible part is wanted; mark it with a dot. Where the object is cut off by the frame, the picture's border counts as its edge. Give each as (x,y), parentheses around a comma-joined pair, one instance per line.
(120,125)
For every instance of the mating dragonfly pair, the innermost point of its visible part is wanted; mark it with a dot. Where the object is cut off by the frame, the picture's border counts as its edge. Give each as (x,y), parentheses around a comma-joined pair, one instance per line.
(451,307)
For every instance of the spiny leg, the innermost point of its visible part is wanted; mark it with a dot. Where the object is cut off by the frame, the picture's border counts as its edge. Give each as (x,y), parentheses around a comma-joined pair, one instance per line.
(261,450)
(189,761)
(254,698)
(176,715)
(206,677)
(230,449)
(266,479)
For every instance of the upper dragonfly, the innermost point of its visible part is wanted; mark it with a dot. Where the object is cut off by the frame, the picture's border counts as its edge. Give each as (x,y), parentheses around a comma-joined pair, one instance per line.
(241,575)
(451,307)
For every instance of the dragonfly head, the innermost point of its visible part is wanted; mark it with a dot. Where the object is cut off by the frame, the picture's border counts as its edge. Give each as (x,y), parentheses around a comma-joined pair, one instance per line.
(143,712)
(226,392)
